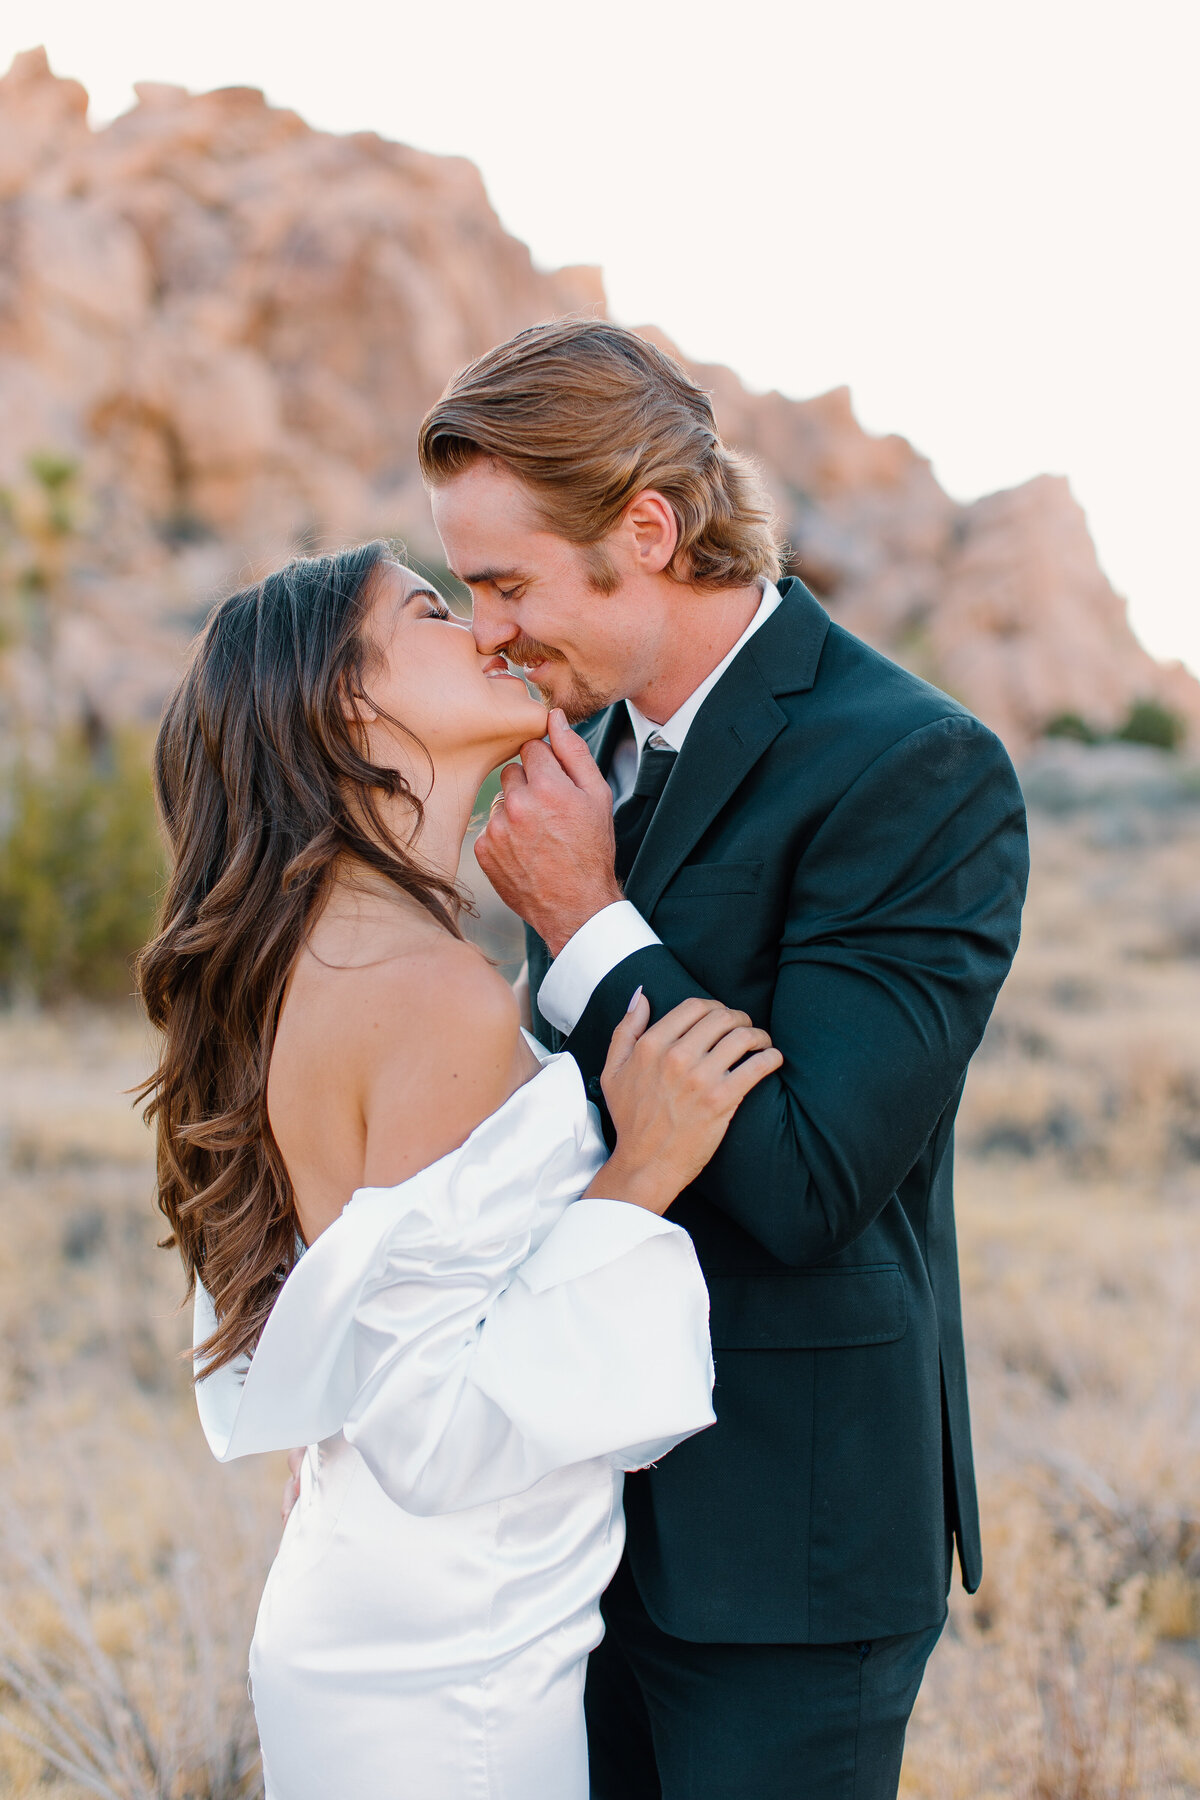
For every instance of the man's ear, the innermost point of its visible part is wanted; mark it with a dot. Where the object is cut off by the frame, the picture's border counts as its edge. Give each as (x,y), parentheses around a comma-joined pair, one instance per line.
(652,530)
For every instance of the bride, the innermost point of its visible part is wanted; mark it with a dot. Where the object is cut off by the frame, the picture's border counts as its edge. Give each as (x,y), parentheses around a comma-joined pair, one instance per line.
(409,1247)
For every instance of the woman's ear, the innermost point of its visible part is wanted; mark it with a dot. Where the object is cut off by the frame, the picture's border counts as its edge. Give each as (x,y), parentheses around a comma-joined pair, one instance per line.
(357,708)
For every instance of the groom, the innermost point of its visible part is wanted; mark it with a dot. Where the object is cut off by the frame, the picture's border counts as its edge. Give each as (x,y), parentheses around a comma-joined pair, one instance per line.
(809,833)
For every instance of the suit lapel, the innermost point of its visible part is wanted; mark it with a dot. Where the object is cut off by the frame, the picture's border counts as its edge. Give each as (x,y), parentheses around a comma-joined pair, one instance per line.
(722,747)
(736,725)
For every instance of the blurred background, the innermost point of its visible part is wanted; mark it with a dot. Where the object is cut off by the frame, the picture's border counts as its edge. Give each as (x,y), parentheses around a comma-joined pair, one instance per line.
(937,266)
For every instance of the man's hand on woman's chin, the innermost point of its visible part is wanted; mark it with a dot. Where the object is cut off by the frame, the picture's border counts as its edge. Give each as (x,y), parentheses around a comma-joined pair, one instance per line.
(548,847)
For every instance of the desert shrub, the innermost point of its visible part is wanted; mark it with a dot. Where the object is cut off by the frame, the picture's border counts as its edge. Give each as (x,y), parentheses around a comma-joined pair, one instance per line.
(80,870)
(39,526)
(1149,722)
(125,1674)
(56,476)
(1074,726)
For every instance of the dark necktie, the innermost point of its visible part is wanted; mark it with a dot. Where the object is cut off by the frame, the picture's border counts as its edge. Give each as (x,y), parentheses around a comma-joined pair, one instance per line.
(631,821)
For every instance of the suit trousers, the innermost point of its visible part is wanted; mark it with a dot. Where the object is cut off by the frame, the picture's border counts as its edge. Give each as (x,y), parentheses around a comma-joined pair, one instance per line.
(673,1720)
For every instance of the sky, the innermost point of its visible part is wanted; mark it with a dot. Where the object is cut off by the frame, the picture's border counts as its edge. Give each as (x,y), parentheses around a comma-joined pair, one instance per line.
(982,218)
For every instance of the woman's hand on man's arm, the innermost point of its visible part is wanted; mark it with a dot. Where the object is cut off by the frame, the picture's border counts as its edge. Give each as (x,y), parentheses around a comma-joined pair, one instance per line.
(671,1090)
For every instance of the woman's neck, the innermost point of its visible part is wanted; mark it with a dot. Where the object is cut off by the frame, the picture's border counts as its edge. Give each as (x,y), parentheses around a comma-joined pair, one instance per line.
(447,811)
(363,911)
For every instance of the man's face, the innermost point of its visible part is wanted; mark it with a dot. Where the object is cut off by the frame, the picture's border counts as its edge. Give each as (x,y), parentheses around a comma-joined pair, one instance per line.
(533,596)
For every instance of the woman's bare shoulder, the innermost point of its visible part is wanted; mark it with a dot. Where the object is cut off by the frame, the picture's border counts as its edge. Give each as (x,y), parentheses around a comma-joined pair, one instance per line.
(381,1067)
(435,978)
(439,1050)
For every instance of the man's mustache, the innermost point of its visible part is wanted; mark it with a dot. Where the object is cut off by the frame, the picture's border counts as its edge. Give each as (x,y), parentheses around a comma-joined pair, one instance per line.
(526,650)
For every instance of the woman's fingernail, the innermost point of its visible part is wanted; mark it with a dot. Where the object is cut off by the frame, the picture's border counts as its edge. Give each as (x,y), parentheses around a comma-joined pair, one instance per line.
(636,997)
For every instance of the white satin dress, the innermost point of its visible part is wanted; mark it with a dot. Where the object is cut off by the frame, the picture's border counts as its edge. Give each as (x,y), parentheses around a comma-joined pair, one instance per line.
(474,1358)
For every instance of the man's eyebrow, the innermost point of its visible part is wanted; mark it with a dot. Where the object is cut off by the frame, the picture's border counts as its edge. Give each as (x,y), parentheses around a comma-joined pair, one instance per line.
(482,576)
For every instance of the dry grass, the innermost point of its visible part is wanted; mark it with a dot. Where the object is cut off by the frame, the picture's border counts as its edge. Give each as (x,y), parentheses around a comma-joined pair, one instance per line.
(1074,1674)
(130,1565)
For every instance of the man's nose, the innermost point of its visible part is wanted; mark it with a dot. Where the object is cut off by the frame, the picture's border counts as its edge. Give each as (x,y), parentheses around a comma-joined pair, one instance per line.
(491,626)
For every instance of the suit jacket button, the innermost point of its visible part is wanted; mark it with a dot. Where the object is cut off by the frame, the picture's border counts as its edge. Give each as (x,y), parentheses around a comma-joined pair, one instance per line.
(594,1090)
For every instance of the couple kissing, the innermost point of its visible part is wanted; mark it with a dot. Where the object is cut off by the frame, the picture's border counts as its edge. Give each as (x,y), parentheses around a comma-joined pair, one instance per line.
(618,1310)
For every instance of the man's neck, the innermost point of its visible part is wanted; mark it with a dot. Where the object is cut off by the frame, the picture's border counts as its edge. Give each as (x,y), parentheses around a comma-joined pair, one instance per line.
(698,642)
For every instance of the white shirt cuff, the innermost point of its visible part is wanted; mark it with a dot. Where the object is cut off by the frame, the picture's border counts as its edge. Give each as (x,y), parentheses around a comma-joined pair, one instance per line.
(609,936)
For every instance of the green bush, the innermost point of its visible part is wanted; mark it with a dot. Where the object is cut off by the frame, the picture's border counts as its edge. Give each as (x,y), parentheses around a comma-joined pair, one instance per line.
(1072,725)
(81,867)
(1149,722)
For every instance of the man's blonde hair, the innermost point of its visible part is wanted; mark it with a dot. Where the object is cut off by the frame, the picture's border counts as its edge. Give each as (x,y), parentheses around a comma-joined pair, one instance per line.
(588,415)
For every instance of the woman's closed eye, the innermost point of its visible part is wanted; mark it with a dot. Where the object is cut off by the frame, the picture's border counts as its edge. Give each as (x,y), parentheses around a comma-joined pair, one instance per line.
(432,604)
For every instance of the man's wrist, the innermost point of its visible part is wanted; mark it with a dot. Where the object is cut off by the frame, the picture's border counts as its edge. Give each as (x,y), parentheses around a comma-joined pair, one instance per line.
(609,938)
(637,1186)
(560,929)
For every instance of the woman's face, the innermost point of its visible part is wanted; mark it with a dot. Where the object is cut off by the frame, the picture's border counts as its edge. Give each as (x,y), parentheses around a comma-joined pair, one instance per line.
(427,673)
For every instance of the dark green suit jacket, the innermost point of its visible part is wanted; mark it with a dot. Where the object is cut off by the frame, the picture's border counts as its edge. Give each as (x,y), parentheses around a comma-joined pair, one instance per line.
(840,851)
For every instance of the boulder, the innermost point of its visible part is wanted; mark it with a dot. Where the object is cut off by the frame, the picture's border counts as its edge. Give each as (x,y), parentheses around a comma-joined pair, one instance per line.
(233,325)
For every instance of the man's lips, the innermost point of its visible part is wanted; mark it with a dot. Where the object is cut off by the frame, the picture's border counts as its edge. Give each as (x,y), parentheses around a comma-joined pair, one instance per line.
(498,670)
(527,654)
(533,666)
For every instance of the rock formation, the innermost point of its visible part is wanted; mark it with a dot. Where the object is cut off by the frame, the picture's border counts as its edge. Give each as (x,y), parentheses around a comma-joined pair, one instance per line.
(230,325)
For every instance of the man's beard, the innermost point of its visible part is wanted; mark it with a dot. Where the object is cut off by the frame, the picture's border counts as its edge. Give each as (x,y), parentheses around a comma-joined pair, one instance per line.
(581,699)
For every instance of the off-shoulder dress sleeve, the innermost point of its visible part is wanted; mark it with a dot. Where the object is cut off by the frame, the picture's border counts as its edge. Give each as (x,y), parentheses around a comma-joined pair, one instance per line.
(462,1366)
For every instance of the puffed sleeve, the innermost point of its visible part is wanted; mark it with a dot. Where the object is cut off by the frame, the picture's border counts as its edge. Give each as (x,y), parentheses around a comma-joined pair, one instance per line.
(597,1348)
(462,1364)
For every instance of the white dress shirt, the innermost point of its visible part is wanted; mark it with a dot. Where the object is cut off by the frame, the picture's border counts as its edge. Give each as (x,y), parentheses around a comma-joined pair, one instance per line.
(617,931)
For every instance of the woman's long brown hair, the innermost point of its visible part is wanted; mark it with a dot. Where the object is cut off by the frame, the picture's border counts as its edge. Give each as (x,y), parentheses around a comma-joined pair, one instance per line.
(262,787)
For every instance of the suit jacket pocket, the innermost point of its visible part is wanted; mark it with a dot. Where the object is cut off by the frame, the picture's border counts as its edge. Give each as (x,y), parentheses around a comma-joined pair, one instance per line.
(701,880)
(810,1309)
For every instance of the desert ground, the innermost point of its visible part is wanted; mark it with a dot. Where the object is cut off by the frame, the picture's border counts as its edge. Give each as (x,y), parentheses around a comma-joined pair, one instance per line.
(130,1563)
